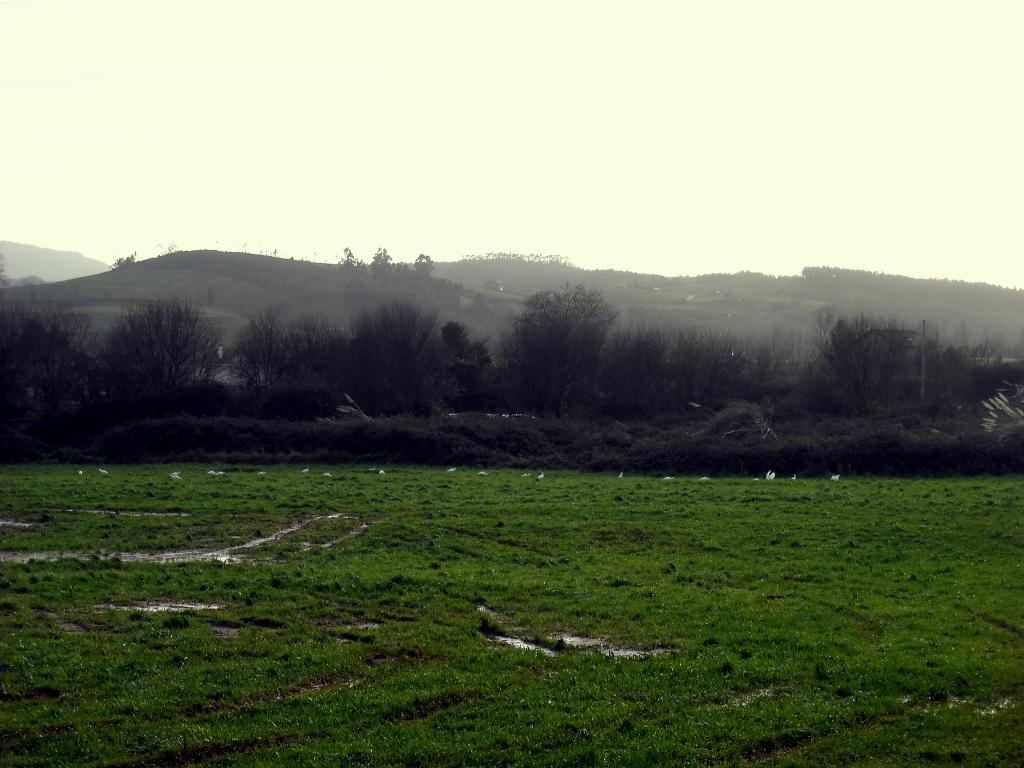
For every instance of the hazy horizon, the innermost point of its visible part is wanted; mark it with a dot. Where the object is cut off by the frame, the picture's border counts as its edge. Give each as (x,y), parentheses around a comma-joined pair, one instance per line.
(671,139)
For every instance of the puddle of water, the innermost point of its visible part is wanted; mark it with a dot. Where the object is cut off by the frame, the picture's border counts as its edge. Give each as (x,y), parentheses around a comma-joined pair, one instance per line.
(224,555)
(361,625)
(748,698)
(522,645)
(608,649)
(14,524)
(358,531)
(572,641)
(996,707)
(125,513)
(170,606)
(575,641)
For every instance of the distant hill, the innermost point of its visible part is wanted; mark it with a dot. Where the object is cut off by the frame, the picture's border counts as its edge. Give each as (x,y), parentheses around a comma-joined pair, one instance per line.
(230,287)
(483,292)
(749,302)
(21,261)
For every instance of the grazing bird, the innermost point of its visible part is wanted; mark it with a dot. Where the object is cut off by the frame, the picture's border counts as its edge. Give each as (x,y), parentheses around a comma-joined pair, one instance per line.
(705,478)
(835,477)
(305,471)
(620,475)
(769,475)
(668,477)
(526,474)
(481,472)
(540,476)
(104,472)
(80,472)
(260,474)
(381,472)
(451,469)
(327,474)
(793,477)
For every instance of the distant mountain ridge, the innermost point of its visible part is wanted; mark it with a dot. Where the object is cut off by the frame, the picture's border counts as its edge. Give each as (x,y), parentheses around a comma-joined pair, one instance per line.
(22,260)
(481,293)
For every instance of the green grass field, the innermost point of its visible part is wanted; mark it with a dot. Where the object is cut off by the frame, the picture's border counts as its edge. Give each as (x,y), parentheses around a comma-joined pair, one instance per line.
(369,619)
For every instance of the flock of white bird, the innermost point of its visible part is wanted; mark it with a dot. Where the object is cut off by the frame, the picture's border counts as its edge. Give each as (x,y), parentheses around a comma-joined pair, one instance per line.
(176,475)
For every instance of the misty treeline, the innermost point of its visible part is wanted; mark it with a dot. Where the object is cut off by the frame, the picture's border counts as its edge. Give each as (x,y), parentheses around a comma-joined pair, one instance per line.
(564,352)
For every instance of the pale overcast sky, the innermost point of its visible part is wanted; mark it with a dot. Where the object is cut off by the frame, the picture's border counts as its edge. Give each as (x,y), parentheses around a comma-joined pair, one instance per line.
(674,137)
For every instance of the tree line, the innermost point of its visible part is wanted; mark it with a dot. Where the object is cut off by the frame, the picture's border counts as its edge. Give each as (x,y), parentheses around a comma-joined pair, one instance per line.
(564,352)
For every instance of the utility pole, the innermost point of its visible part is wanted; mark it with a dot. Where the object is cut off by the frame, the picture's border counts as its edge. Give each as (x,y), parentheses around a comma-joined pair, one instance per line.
(924,341)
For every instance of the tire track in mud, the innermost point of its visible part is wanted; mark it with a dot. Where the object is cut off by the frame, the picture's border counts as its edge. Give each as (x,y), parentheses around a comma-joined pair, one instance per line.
(230,554)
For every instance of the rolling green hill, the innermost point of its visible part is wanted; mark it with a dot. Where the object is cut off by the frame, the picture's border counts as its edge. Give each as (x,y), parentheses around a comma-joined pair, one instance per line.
(231,286)
(482,292)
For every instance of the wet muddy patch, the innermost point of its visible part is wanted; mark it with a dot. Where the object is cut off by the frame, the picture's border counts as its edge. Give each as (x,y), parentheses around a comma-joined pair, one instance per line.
(360,625)
(40,693)
(225,631)
(518,643)
(230,554)
(126,513)
(491,625)
(164,606)
(608,649)
(747,698)
(68,626)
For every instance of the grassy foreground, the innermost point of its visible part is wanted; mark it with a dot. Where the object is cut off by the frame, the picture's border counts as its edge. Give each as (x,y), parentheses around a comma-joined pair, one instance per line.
(365,619)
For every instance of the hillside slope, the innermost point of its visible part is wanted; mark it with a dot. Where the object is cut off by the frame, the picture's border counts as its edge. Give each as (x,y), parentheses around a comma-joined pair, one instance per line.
(22,260)
(749,302)
(231,286)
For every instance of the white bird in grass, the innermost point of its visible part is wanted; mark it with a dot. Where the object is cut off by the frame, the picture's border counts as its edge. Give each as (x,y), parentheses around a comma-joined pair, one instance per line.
(668,477)
(793,477)
(540,476)
(104,472)
(835,477)
(769,475)
(380,472)
(481,472)
(175,475)
(305,471)
(526,474)
(327,474)
(620,475)
(80,472)
(260,474)
(452,469)
(705,478)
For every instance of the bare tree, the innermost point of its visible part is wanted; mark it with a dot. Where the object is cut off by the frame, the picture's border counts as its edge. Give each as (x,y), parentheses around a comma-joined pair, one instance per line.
(397,358)
(48,350)
(261,352)
(862,358)
(315,351)
(706,365)
(161,345)
(554,345)
(634,376)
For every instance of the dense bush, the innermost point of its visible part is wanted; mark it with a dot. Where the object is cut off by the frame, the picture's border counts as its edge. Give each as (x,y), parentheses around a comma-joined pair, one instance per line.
(846,446)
